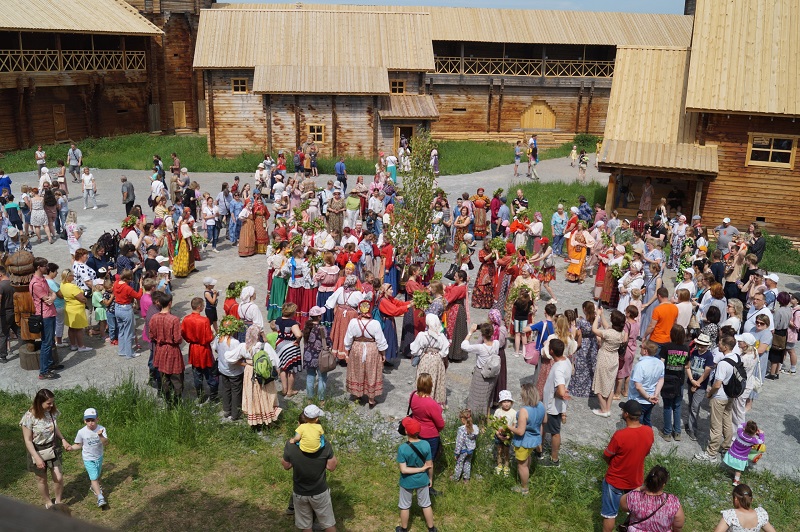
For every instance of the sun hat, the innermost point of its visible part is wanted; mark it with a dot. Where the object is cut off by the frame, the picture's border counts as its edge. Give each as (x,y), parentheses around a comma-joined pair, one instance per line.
(163,269)
(703,339)
(13,231)
(90,413)
(505,395)
(316,311)
(313,412)
(690,271)
(209,281)
(747,338)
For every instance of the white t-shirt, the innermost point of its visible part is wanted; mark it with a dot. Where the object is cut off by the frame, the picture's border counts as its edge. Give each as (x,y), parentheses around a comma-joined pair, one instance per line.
(88,181)
(560,373)
(723,373)
(210,211)
(92,446)
(156,189)
(40,157)
(509,415)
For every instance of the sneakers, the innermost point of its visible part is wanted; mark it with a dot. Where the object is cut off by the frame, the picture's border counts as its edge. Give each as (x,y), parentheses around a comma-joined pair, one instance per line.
(676,436)
(520,490)
(101,501)
(135,355)
(506,471)
(215,250)
(94,208)
(73,348)
(114,342)
(549,462)
(597,412)
(498,470)
(791,372)
(692,436)
(772,377)
(434,493)
(84,349)
(62,344)
(665,437)
(705,457)
(289,511)
(49,376)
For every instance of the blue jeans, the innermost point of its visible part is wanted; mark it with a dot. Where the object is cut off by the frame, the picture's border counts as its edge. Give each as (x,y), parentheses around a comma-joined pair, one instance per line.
(672,413)
(435,443)
(322,383)
(111,319)
(46,351)
(558,244)
(210,375)
(213,234)
(646,411)
(233,230)
(609,500)
(124,314)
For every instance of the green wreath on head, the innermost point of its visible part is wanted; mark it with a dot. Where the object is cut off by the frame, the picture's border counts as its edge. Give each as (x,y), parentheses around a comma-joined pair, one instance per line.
(230,326)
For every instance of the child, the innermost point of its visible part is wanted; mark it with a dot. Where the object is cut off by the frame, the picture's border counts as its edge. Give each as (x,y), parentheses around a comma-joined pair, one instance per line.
(163,280)
(211,297)
(522,309)
(573,155)
(500,436)
(636,301)
(92,439)
(111,318)
(230,306)
(747,435)
(99,308)
(465,445)
(310,436)
(414,458)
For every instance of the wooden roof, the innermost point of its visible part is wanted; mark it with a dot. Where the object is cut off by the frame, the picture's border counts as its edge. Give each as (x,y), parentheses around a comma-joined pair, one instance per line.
(246,38)
(74,16)
(529,26)
(647,125)
(746,57)
(291,79)
(402,106)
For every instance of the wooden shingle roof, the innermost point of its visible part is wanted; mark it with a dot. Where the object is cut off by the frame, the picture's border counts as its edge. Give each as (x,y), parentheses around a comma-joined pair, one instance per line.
(74,16)
(304,79)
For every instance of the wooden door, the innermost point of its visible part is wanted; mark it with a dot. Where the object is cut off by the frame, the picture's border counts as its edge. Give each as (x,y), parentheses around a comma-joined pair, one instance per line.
(60,123)
(179,114)
(408,131)
(538,116)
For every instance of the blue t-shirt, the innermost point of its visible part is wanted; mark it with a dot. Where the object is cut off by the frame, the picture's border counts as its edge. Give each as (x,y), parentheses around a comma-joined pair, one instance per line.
(544,329)
(646,372)
(5,183)
(55,287)
(533,430)
(406,455)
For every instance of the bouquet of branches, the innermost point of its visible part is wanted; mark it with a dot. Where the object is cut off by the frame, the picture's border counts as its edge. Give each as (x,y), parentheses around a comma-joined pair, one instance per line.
(515,292)
(500,424)
(606,238)
(437,276)
(199,240)
(129,221)
(498,244)
(497,192)
(236,291)
(230,326)
(296,240)
(298,211)
(315,260)
(422,299)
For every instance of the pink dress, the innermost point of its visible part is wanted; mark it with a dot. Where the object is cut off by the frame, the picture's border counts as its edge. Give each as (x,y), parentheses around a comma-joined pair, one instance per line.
(633,332)
(641,505)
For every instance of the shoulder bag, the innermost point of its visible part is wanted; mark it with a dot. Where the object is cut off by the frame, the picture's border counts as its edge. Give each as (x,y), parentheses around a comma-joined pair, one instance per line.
(491,368)
(47,451)
(327,360)
(451,273)
(36,321)
(400,428)
(626,525)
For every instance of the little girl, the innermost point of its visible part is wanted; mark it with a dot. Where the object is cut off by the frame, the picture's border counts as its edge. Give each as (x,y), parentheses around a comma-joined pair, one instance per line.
(99,308)
(502,438)
(522,309)
(573,155)
(466,439)
(636,301)
(747,435)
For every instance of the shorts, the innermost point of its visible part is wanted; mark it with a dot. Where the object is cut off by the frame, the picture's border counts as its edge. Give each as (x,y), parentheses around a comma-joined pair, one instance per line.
(522,453)
(520,326)
(609,500)
(211,314)
(516,160)
(776,356)
(94,468)
(74,169)
(308,506)
(790,345)
(423,498)
(553,424)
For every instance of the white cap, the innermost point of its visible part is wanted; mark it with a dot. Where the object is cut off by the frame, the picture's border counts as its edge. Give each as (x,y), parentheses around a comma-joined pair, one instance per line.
(313,412)
(261,165)
(209,281)
(163,269)
(747,338)
(162,258)
(505,395)
(689,271)
(98,282)
(773,277)
(90,413)
(13,231)
(726,220)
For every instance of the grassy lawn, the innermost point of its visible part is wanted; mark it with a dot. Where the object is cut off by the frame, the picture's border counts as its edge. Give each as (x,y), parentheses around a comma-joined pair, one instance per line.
(183,469)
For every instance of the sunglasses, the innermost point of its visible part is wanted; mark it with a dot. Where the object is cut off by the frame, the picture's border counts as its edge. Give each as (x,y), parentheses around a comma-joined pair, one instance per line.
(88,420)
(761,323)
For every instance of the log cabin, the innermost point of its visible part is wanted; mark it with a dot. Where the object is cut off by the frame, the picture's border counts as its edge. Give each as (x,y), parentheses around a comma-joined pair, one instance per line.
(519,72)
(719,120)
(72,69)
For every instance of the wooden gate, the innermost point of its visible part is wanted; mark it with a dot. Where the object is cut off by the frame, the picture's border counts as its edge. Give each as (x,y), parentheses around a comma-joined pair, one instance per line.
(538,116)
(179,114)
(60,123)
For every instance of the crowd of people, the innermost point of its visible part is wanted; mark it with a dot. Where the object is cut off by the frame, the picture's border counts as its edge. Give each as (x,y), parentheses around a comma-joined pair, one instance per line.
(337,294)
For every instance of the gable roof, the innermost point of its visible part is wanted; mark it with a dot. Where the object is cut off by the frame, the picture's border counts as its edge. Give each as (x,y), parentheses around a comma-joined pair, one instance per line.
(75,16)
(746,57)
(242,38)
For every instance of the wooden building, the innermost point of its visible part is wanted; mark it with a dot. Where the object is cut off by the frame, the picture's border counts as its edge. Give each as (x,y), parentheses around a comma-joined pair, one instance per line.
(175,102)
(520,72)
(718,120)
(72,69)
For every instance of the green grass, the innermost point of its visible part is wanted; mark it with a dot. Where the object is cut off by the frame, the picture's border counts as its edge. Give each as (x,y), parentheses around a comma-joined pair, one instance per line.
(780,256)
(545,197)
(181,468)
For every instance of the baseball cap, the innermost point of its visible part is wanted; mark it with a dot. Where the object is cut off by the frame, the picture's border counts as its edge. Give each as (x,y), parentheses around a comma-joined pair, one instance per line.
(747,338)
(773,277)
(162,258)
(505,395)
(163,269)
(726,220)
(90,413)
(411,425)
(631,407)
(313,412)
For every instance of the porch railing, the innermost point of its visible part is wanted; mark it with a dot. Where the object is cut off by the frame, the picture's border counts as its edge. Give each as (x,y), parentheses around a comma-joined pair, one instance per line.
(70,60)
(523,67)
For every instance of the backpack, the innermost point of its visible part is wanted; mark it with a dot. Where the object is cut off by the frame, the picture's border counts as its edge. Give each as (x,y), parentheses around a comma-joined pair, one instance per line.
(110,242)
(296,160)
(263,370)
(736,384)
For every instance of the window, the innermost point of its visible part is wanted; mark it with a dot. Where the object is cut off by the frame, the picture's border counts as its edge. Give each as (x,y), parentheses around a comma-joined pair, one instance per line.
(397,87)
(766,150)
(459,109)
(316,132)
(239,85)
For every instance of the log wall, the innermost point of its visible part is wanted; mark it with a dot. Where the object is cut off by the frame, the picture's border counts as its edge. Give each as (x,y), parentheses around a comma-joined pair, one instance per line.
(744,192)
(238,119)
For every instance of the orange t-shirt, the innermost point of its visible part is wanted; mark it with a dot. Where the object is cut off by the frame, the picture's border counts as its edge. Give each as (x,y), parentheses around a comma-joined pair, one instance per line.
(665,314)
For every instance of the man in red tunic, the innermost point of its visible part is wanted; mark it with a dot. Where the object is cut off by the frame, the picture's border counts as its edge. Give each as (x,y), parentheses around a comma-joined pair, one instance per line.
(196,330)
(165,332)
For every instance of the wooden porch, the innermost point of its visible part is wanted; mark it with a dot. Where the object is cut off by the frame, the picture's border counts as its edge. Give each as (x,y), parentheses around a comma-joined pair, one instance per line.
(487,66)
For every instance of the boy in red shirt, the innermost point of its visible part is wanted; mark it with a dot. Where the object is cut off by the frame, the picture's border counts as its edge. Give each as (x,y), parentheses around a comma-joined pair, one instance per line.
(625,456)
(165,332)
(196,330)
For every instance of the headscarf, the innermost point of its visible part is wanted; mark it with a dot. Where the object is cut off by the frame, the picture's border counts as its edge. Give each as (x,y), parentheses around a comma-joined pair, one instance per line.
(350,281)
(247,294)
(187,212)
(537,216)
(496,320)
(434,327)
(573,210)
(157,222)
(365,309)
(251,337)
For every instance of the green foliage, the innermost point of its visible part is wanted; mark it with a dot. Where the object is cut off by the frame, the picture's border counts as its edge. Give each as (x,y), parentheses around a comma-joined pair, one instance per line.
(582,141)
(236,291)
(780,256)
(545,197)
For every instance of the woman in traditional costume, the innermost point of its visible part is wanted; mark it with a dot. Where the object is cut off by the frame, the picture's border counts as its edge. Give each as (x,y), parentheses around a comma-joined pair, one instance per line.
(343,301)
(457,316)
(365,347)
(184,259)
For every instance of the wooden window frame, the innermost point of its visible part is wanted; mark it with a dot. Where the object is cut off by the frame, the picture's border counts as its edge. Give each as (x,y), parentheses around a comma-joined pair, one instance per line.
(234,89)
(397,86)
(317,137)
(793,152)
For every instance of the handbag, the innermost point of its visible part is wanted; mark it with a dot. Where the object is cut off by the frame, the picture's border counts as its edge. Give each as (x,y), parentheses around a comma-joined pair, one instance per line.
(451,273)
(778,340)
(36,321)
(400,428)
(491,369)
(758,378)
(48,453)
(327,360)
(624,526)
(631,196)
(532,354)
